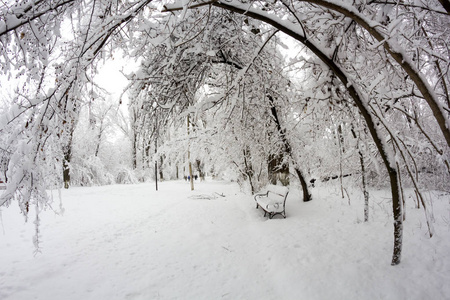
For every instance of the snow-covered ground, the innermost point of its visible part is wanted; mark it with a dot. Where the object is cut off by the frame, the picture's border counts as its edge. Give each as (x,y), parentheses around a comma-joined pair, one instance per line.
(131,242)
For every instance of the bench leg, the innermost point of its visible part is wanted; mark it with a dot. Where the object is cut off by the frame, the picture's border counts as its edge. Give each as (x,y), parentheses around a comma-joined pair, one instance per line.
(271,215)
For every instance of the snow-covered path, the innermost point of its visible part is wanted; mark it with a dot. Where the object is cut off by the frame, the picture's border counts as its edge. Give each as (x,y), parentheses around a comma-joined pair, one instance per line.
(130,242)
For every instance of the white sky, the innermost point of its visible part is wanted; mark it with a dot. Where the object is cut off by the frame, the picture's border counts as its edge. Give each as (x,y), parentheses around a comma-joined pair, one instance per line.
(111,78)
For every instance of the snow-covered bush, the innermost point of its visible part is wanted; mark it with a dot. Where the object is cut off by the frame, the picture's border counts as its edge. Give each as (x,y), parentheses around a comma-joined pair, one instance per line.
(126,176)
(90,171)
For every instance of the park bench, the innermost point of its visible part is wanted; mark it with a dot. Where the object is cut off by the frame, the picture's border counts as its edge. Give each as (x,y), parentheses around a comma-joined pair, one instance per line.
(273,201)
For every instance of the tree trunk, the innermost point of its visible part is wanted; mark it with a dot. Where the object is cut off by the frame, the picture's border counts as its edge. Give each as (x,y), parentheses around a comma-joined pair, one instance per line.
(161,175)
(66,170)
(341,151)
(67,150)
(366,193)
(306,195)
(156,164)
(272,168)
(446,5)
(191,179)
(248,168)
(99,138)
(278,171)
(134,150)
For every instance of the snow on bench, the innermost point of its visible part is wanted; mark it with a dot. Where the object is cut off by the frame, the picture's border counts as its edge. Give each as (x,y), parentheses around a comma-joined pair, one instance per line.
(273,201)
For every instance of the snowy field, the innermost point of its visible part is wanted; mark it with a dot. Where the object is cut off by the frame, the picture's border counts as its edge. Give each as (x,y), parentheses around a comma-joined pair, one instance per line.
(130,242)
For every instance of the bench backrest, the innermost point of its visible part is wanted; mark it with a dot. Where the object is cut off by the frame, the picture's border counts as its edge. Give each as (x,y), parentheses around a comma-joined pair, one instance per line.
(279,190)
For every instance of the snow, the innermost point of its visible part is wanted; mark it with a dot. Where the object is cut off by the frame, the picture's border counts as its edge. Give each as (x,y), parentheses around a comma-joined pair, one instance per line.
(131,242)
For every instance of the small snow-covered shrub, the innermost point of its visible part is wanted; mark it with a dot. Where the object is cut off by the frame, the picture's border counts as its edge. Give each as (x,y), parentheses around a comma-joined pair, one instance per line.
(90,171)
(126,176)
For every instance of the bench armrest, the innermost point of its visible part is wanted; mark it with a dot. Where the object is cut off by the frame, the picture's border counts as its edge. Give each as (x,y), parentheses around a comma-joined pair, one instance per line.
(266,194)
